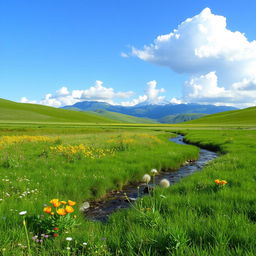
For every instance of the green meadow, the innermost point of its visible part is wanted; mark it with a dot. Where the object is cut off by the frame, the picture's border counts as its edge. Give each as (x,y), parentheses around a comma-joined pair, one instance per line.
(66,158)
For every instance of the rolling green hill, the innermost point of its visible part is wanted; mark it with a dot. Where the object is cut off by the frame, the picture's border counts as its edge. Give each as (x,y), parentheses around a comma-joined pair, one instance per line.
(175,119)
(22,112)
(238,117)
(124,118)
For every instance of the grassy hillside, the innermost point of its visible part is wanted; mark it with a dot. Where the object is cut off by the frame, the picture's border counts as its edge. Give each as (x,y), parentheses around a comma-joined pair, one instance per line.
(22,112)
(238,117)
(175,119)
(124,118)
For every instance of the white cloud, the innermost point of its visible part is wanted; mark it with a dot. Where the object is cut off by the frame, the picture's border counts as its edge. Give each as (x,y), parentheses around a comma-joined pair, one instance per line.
(124,55)
(150,96)
(25,100)
(98,92)
(64,97)
(221,63)
(134,102)
(152,92)
(176,101)
(62,91)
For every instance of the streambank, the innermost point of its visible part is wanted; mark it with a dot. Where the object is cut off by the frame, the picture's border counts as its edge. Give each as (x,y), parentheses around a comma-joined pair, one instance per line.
(116,200)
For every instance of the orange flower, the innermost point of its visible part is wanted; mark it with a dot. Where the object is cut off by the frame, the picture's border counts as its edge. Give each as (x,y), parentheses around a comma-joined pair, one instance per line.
(63,202)
(71,203)
(48,209)
(56,204)
(55,235)
(69,209)
(54,201)
(61,212)
(221,182)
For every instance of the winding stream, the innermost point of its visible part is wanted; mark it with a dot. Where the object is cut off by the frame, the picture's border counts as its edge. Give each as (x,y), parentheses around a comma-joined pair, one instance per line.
(115,200)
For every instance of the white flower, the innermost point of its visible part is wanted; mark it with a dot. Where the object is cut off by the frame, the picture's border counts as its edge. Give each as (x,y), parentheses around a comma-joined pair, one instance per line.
(68,248)
(69,238)
(84,243)
(84,206)
(146,178)
(164,183)
(154,171)
(23,213)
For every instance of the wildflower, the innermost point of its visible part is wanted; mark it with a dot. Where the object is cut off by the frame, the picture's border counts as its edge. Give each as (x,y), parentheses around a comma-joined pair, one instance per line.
(56,204)
(55,235)
(71,203)
(48,209)
(61,212)
(220,182)
(63,202)
(153,172)
(69,238)
(84,206)
(54,201)
(164,183)
(68,248)
(23,213)
(69,209)
(55,229)
(146,178)
(84,243)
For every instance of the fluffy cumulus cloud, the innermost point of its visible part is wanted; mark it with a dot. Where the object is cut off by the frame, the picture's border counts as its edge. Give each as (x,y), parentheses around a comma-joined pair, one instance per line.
(151,96)
(64,97)
(221,63)
(98,92)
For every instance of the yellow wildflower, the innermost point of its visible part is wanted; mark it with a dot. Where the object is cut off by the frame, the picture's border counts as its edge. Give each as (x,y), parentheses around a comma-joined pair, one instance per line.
(69,209)
(61,212)
(48,209)
(54,201)
(71,203)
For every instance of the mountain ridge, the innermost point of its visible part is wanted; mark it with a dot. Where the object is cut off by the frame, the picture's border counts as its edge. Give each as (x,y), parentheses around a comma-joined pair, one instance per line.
(151,111)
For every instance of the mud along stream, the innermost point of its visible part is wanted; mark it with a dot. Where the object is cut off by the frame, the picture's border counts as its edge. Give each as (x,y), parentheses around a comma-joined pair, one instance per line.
(115,200)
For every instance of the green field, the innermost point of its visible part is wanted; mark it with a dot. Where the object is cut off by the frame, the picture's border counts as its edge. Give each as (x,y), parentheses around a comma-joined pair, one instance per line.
(24,113)
(124,118)
(64,159)
(235,117)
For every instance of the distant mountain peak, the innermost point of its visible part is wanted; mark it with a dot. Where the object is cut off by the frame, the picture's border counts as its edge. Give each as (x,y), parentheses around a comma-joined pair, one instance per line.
(152,111)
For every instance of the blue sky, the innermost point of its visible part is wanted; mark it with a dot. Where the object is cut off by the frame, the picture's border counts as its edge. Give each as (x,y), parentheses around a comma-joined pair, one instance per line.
(47,45)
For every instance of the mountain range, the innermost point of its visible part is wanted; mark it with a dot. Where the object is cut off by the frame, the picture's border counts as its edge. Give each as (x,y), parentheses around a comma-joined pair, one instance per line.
(167,113)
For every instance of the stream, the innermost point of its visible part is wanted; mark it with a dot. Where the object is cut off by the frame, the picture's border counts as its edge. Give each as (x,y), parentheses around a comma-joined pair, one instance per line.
(115,200)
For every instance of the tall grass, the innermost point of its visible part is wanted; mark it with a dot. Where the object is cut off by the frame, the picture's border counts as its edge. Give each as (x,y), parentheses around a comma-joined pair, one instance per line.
(32,173)
(193,217)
